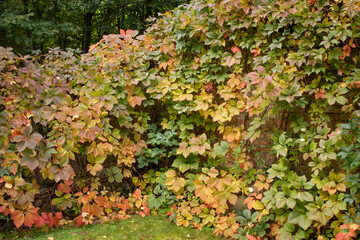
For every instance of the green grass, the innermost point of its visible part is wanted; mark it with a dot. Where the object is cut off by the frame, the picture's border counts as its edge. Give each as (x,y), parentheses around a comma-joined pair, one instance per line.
(135,228)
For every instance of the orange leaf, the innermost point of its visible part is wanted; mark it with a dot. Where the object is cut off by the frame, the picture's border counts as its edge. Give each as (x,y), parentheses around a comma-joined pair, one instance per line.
(128,31)
(18,218)
(137,193)
(247,200)
(250,237)
(135,100)
(31,216)
(101,201)
(13,168)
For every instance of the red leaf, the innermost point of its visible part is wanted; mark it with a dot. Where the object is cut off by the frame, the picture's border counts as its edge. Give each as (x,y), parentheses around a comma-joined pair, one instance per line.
(147,211)
(40,221)
(2,208)
(69,182)
(235,49)
(340,236)
(59,215)
(79,220)
(64,188)
(209,87)
(51,220)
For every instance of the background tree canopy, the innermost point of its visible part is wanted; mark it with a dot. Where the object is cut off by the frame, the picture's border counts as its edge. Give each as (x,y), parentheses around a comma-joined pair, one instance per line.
(28,25)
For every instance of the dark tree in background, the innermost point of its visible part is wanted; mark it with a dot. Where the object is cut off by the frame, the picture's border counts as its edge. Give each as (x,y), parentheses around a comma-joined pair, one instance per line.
(29,25)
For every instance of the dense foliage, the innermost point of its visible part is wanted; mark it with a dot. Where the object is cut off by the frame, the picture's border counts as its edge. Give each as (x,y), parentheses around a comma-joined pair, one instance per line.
(32,25)
(179,111)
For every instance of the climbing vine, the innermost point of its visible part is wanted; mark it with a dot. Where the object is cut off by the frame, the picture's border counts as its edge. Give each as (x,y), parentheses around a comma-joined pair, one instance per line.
(241,116)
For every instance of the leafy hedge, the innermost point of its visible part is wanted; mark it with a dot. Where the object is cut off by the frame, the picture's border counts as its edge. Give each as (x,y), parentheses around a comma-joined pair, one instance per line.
(179,109)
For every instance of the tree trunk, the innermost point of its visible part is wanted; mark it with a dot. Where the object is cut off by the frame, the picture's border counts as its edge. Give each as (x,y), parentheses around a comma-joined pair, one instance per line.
(64,42)
(121,17)
(55,11)
(87,31)
(3,40)
(148,12)
(28,32)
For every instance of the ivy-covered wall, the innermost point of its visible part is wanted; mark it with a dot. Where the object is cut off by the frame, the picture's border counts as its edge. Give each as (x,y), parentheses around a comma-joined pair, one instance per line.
(262,155)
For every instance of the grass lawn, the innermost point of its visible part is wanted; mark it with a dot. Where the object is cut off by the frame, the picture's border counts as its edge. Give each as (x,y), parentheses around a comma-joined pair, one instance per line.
(151,227)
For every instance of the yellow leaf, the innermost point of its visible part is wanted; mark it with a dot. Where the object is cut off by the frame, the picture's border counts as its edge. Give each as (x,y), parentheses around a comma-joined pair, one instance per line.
(257,205)
(213,173)
(265,212)
(233,199)
(341,187)
(195,141)
(170,173)
(178,184)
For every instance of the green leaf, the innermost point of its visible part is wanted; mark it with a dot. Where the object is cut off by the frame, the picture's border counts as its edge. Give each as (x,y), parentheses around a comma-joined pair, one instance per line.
(282,139)
(341,100)
(185,164)
(280,203)
(306,196)
(119,177)
(153,202)
(281,150)
(291,203)
(299,218)
(289,227)
(222,149)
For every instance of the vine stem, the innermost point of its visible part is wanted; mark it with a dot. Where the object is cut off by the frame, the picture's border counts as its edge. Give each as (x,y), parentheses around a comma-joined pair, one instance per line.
(52,210)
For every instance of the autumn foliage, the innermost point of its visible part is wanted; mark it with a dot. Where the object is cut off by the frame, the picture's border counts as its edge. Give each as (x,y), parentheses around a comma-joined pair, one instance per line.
(168,122)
